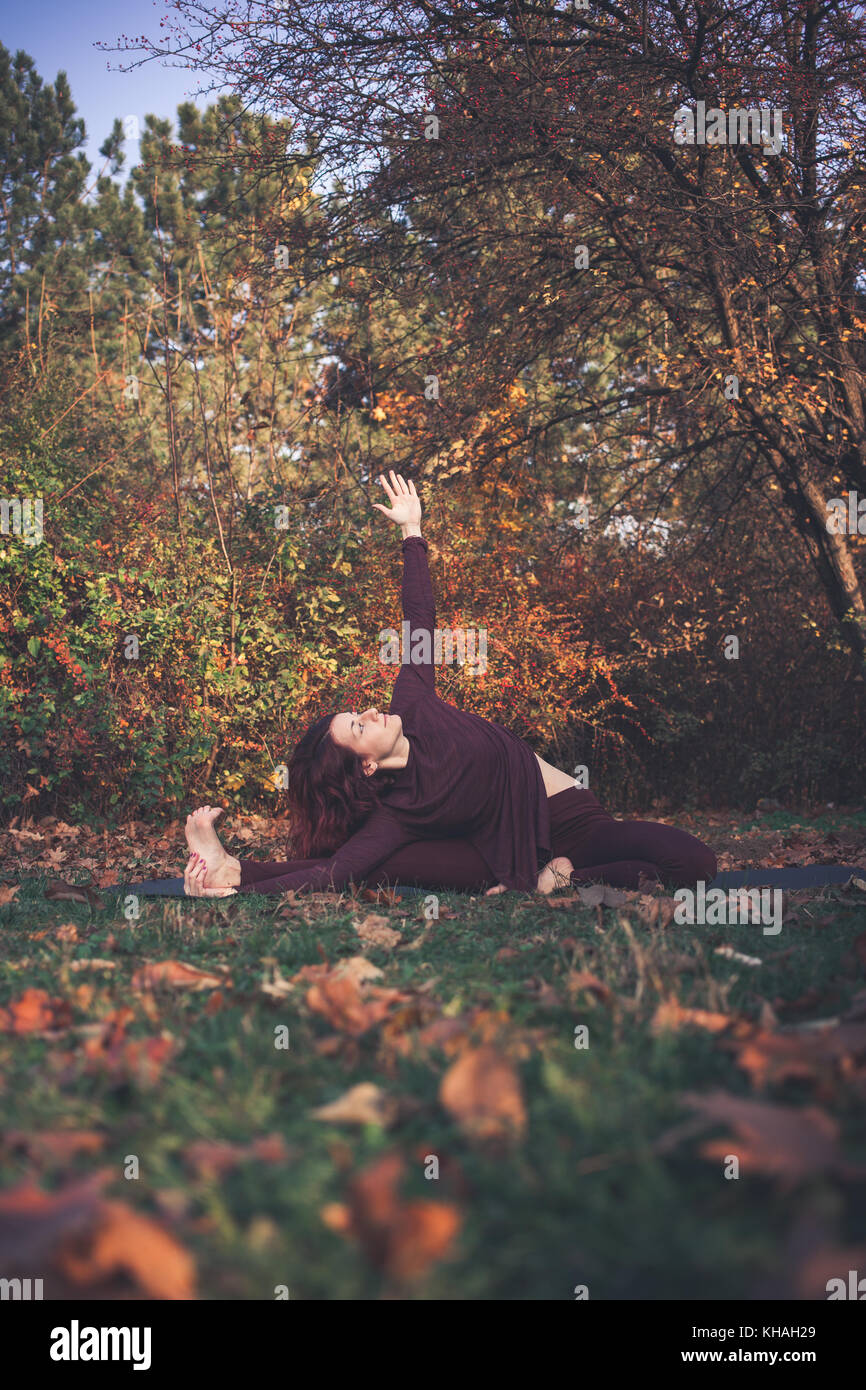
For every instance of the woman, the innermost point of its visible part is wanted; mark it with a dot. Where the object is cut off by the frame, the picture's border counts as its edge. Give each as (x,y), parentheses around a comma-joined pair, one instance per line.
(436,795)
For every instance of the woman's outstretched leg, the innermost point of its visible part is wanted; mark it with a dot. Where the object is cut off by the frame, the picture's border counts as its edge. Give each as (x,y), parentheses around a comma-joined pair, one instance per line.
(448,864)
(633,849)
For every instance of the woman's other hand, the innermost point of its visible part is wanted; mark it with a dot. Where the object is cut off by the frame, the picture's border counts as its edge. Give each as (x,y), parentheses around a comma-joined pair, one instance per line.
(405,509)
(193,880)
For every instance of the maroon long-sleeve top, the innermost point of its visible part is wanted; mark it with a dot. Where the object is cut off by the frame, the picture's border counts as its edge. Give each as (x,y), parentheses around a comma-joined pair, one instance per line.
(466,776)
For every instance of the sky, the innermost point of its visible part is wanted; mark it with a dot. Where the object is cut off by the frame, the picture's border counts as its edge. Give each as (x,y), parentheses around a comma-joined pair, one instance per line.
(60,34)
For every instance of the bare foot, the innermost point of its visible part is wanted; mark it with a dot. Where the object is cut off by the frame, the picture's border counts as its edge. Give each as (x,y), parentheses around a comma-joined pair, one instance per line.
(556,874)
(500,888)
(222,869)
(193,881)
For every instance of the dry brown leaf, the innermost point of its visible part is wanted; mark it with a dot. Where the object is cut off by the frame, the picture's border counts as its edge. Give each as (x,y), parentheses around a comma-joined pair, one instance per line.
(212,1158)
(386,896)
(36,1012)
(54,1145)
(402,1238)
(125,1241)
(176,974)
(655,911)
(780,1140)
(356,968)
(364,1104)
(671,1016)
(342,993)
(577,980)
(140,1059)
(593,896)
(375,931)
(772,1057)
(340,1000)
(481,1090)
(59,891)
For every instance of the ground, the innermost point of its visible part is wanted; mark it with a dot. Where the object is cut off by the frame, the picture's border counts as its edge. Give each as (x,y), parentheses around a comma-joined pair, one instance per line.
(537,1098)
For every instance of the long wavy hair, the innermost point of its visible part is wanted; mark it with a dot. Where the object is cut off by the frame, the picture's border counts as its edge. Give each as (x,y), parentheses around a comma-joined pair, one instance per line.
(330,796)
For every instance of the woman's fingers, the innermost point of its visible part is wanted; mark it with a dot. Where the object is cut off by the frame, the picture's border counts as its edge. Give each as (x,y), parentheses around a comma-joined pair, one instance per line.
(193,881)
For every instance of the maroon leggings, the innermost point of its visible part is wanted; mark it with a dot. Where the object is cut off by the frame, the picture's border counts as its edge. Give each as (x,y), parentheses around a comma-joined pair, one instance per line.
(617,852)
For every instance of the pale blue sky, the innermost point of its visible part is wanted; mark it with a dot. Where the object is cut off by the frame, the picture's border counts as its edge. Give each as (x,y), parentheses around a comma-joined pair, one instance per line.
(60,34)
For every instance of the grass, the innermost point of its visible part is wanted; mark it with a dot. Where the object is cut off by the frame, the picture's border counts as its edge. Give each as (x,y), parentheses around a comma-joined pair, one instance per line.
(586,1194)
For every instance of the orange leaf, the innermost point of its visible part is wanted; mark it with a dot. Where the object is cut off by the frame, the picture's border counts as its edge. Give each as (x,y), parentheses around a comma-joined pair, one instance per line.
(482,1091)
(35,1012)
(175,974)
(671,1016)
(123,1240)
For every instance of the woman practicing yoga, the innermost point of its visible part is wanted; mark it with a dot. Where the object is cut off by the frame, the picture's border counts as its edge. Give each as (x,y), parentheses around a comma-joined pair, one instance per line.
(432,795)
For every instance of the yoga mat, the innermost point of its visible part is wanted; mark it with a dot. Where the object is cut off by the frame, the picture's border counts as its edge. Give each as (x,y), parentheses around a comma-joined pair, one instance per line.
(808,876)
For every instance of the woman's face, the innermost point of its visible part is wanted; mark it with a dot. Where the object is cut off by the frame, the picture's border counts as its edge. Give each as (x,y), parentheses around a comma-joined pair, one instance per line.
(371,735)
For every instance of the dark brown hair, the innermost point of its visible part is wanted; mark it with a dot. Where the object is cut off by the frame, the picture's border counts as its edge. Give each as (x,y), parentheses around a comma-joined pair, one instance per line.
(330,796)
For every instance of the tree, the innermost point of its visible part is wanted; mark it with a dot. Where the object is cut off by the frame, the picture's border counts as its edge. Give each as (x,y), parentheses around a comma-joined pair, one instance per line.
(728,277)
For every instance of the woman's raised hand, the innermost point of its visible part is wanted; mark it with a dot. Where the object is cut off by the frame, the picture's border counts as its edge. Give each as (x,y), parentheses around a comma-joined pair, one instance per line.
(405,507)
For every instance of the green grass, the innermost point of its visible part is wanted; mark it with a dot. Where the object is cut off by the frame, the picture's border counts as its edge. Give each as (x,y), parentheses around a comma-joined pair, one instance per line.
(581,1198)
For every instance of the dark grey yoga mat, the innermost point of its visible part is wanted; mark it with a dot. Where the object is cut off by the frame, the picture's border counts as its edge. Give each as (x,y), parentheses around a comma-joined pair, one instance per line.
(809,876)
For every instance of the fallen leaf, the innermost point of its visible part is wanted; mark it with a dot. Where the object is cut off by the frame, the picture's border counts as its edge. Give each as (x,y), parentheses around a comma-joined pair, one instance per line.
(35,1012)
(772,1057)
(577,980)
(780,1140)
(592,896)
(59,891)
(348,1006)
(402,1238)
(375,931)
(54,1145)
(655,911)
(122,1240)
(481,1090)
(212,1158)
(364,1104)
(670,1016)
(387,896)
(176,974)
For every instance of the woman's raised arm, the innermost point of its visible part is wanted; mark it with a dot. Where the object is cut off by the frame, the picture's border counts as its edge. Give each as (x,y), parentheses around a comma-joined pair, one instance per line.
(419,609)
